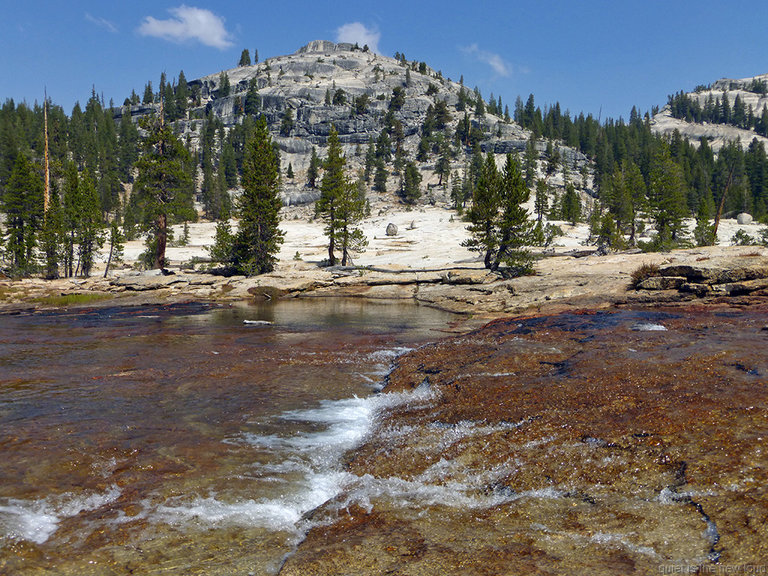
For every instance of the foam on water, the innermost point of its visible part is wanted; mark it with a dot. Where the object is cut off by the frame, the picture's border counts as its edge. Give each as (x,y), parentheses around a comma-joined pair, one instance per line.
(274,514)
(37,520)
(311,461)
(383,360)
(428,490)
(307,466)
(648,327)
(33,521)
(314,456)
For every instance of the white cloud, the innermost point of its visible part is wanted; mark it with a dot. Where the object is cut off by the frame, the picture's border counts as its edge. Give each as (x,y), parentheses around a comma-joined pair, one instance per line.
(189,24)
(355,32)
(493,60)
(101,22)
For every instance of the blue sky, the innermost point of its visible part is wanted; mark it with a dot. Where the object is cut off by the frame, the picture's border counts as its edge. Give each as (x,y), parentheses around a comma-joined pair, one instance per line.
(599,57)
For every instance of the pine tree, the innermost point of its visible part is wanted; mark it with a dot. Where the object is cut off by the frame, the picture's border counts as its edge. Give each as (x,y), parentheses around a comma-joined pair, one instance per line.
(223,243)
(443,165)
(169,103)
(479,103)
(398,99)
(491,107)
(725,110)
(116,246)
(515,230)
(228,163)
(182,96)
(331,188)
(149,96)
(128,151)
(617,199)
(531,156)
(360,104)
(51,235)
(313,171)
(208,191)
(287,123)
(22,204)
(222,202)
(410,191)
(553,158)
(70,214)
(703,234)
(571,205)
(461,105)
(380,177)
(739,114)
(457,193)
(88,233)
(666,192)
(483,213)
(245,58)
(350,209)
(339,97)
(252,99)
(163,188)
(224,85)
(384,146)
(635,184)
(541,202)
(370,160)
(258,238)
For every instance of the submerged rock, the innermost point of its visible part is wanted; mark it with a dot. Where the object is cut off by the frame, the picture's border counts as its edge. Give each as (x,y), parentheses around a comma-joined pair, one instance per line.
(566,444)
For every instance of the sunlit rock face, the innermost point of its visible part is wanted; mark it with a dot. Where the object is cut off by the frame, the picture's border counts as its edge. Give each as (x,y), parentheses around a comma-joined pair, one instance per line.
(612,442)
(717,135)
(326,85)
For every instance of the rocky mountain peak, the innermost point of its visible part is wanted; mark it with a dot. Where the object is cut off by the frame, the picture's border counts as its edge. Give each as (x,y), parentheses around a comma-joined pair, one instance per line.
(325,46)
(360,94)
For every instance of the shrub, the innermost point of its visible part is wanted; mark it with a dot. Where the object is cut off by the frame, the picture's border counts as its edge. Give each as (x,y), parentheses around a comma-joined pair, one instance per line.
(741,238)
(644,271)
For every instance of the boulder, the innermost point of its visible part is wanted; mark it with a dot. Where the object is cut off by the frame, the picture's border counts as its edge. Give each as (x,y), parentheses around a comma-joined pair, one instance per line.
(695,274)
(662,283)
(391,229)
(479,276)
(744,218)
(148,282)
(746,287)
(700,290)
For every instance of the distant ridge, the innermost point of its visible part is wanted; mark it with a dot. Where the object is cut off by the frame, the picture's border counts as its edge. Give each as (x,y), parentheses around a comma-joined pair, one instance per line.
(718,134)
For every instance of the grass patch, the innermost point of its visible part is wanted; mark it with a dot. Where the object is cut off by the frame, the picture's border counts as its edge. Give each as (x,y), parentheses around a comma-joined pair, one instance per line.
(60,300)
(6,292)
(644,271)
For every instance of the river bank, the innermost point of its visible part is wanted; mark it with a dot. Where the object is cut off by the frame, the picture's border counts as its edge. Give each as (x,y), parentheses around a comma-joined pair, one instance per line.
(569,280)
(421,260)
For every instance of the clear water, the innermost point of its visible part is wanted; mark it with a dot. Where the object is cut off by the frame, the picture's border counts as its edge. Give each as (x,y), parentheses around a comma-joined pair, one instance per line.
(181,440)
